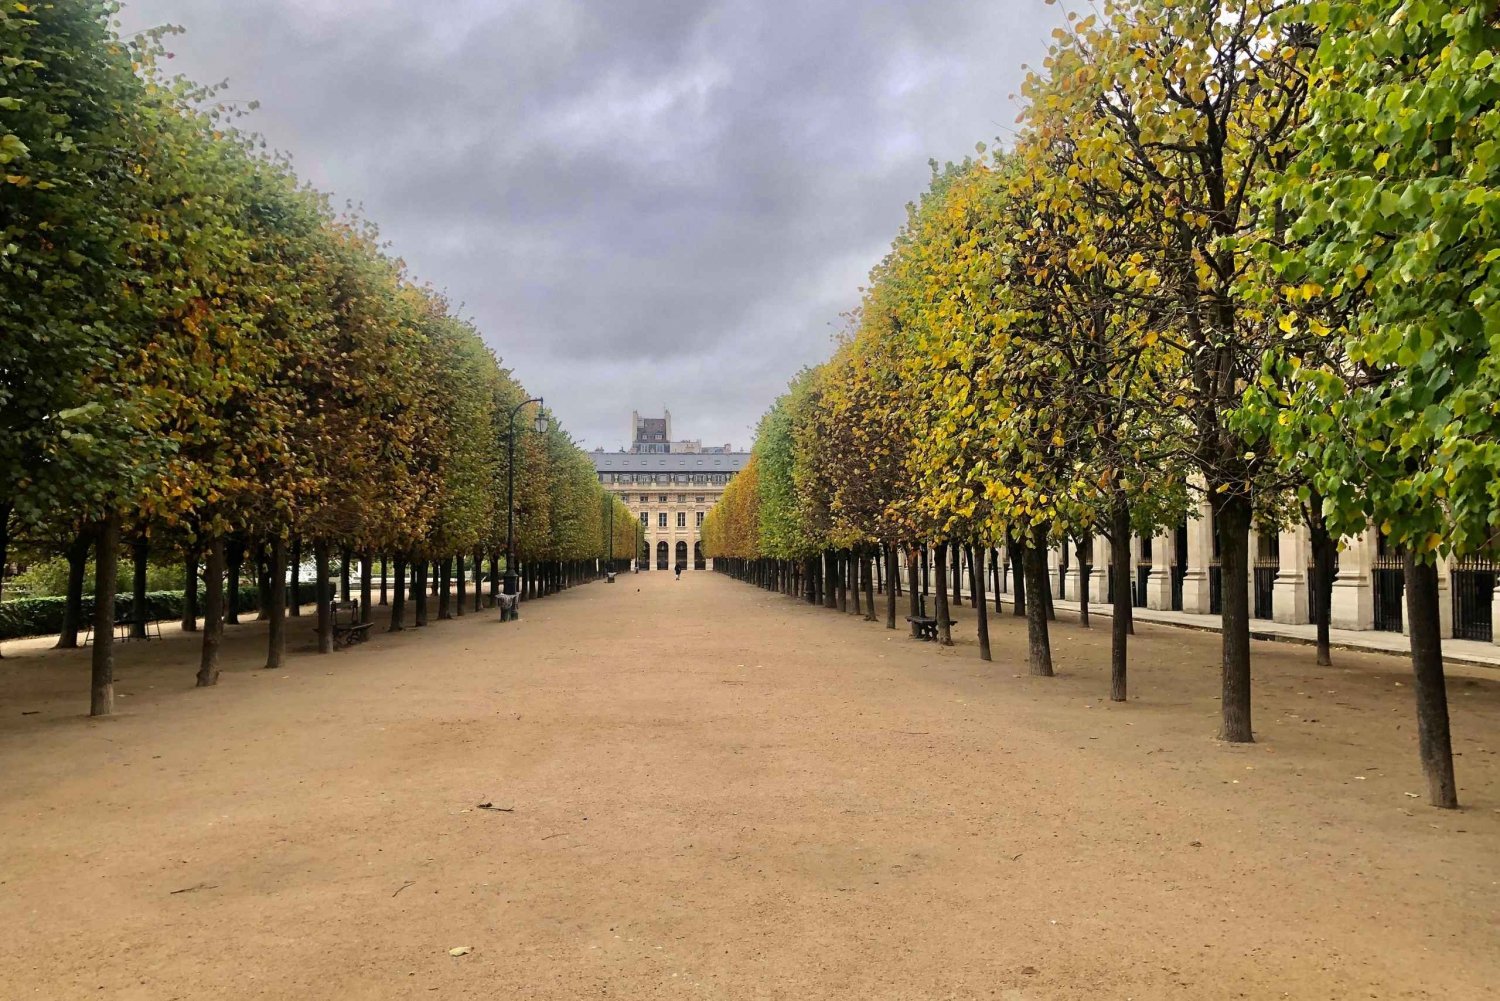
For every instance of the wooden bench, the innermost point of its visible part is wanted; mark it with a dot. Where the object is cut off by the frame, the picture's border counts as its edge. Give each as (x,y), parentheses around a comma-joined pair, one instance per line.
(347,629)
(924,626)
(124,621)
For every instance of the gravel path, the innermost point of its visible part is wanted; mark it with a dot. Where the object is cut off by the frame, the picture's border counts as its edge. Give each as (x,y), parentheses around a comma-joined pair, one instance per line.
(701,790)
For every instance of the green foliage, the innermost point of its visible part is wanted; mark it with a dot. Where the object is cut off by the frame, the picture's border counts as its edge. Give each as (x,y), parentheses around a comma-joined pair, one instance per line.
(44,616)
(192,341)
(49,577)
(1393,209)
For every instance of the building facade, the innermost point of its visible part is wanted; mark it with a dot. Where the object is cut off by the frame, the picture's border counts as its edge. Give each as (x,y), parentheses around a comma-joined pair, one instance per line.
(669,486)
(1179,571)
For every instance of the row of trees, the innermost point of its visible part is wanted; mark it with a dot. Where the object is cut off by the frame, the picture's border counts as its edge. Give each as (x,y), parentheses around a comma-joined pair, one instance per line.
(1239,248)
(198,355)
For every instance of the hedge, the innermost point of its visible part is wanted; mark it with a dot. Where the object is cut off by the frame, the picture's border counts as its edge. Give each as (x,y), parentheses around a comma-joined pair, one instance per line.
(41,616)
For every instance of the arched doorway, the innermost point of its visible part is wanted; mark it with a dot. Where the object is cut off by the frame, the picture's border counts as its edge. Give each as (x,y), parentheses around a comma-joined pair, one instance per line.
(643,561)
(661,555)
(698,563)
(682,554)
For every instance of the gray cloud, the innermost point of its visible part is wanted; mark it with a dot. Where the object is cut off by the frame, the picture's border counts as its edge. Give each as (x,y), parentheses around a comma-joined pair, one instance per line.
(641,202)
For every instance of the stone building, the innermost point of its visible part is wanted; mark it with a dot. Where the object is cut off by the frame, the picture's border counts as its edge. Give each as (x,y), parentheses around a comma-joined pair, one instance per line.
(669,486)
(1179,571)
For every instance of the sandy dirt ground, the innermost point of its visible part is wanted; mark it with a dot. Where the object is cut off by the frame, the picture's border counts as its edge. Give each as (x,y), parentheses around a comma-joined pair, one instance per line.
(713,792)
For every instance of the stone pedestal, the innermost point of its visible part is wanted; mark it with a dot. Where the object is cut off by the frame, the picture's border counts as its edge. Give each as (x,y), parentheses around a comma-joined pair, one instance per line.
(1445,597)
(1289,593)
(1099,579)
(1353,604)
(1159,583)
(1195,590)
(1495,614)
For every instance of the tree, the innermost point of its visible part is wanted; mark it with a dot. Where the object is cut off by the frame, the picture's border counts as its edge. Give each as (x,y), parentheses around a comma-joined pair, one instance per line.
(1391,205)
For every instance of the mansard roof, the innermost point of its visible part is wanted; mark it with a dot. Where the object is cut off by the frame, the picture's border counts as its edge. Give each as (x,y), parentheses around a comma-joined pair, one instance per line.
(669,462)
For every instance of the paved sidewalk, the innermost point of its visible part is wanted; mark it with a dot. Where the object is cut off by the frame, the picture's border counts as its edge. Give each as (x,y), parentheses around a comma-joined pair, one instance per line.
(1373,641)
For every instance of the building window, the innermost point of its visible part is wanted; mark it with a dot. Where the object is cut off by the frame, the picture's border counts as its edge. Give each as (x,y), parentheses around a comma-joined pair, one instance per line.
(661,520)
(662,498)
(700,500)
(682,498)
(645,498)
(682,519)
(645,520)
(700,519)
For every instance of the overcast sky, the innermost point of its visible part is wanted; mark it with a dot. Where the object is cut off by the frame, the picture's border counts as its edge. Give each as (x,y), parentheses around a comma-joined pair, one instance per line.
(641,202)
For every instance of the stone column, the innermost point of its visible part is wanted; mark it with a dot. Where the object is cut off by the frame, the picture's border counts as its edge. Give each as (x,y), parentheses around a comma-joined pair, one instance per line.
(1445,596)
(1200,541)
(1099,577)
(1495,613)
(1159,583)
(1353,604)
(1289,595)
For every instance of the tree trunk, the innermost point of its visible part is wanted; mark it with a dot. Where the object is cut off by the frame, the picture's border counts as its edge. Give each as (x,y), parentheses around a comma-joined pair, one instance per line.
(444,588)
(213,614)
(235,555)
(385,573)
(296,588)
(262,581)
(914,588)
(1085,545)
(1119,566)
(460,585)
(320,596)
(1325,550)
(398,597)
(1039,644)
(958,574)
(940,606)
(102,675)
(856,565)
(981,607)
(4,542)
(78,564)
(478,581)
(190,591)
(1047,580)
(1234,559)
(1425,628)
(139,549)
(975,572)
(275,604)
(494,578)
(365,573)
(345,558)
(421,592)
(995,577)
(867,568)
(1017,558)
(830,579)
(890,586)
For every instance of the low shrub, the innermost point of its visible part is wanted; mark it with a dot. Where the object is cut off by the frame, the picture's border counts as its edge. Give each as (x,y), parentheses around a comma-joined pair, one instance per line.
(41,616)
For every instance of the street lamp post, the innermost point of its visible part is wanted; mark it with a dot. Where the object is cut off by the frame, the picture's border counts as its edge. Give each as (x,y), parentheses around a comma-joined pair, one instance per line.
(510,490)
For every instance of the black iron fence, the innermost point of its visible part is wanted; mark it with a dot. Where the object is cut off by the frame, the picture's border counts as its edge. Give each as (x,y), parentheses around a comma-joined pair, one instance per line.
(1264,575)
(1389,579)
(1473,580)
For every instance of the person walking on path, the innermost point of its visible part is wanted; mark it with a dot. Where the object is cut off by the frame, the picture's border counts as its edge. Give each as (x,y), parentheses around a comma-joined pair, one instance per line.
(679,569)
